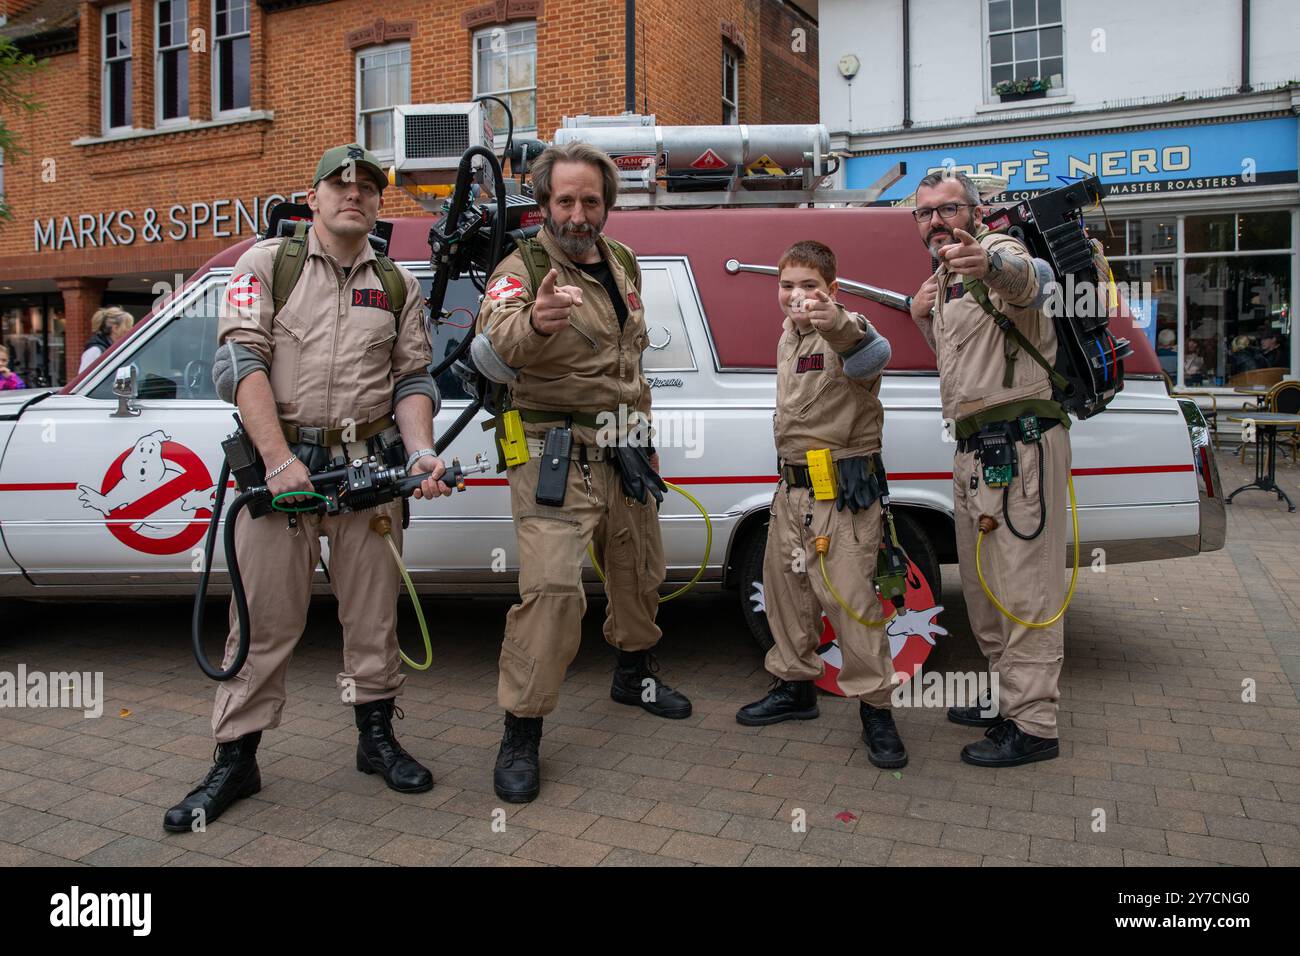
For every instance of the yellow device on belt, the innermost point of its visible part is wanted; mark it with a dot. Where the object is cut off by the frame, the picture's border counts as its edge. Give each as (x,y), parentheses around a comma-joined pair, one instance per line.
(821,472)
(514,445)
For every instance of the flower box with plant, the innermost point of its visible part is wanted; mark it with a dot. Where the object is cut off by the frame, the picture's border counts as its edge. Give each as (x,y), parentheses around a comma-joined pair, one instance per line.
(1029,88)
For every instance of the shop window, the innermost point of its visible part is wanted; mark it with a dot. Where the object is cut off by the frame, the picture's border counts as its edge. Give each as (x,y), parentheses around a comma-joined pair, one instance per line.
(1025,43)
(172,66)
(1151,291)
(230,66)
(1238,316)
(505,65)
(115,75)
(730,85)
(383,81)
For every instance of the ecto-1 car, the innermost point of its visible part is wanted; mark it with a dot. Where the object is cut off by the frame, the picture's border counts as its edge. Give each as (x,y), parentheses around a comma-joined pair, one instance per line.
(106,485)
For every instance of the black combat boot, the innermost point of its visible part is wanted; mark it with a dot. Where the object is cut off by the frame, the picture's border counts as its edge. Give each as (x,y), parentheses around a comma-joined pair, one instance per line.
(976,715)
(884,746)
(1006,745)
(234,775)
(517,776)
(785,700)
(379,752)
(636,683)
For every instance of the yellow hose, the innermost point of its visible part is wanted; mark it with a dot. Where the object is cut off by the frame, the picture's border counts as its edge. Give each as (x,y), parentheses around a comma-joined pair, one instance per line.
(708,547)
(419,612)
(821,560)
(1074,575)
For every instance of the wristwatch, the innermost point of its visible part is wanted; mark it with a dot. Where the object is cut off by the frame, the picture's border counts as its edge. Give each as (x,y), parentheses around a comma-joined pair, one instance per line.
(995,260)
(410,462)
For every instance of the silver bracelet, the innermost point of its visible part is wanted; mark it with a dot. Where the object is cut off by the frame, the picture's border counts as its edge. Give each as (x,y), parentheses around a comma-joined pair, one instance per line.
(410,462)
(275,471)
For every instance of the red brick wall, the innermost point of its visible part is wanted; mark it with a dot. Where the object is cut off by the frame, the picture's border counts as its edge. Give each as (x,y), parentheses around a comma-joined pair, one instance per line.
(304,73)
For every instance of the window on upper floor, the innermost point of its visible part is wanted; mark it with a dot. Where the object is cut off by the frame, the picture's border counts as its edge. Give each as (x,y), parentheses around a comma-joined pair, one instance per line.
(505,65)
(383,81)
(115,72)
(171,61)
(231,56)
(730,85)
(1025,45)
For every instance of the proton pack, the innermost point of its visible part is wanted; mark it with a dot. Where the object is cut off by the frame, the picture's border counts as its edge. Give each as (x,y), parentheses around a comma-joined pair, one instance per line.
(1089,368)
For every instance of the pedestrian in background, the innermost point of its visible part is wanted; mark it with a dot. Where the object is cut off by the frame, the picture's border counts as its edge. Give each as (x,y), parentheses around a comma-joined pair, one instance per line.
(8,379)
(111,324)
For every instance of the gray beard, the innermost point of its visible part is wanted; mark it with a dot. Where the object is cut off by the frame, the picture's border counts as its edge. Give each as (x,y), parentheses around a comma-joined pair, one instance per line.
(574,245)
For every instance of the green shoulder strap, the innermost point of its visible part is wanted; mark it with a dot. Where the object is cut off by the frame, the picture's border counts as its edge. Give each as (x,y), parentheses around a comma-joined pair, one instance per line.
(981,293)
(538,263)
(290,257)
(626,259)
(394,285)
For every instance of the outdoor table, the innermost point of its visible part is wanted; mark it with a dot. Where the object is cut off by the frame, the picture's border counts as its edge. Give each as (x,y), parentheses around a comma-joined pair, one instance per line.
(1266,423)
(1258,392)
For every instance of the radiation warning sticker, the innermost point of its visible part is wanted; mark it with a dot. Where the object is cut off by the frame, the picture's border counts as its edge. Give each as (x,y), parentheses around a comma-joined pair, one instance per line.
(156,496)
(709,160)
(507,287)
(244,291)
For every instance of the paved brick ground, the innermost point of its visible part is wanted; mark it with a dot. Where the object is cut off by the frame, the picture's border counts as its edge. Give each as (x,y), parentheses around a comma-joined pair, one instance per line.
(1154,733)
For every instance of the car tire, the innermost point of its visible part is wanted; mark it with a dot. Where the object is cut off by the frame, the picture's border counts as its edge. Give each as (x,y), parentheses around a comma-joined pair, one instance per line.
(749,571)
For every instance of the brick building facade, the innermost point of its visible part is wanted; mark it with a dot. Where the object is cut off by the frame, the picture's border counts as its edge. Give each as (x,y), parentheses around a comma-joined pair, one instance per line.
(106,205)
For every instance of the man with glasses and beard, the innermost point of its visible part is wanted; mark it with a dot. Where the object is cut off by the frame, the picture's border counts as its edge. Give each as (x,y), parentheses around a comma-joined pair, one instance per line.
(564,312)
(994,394)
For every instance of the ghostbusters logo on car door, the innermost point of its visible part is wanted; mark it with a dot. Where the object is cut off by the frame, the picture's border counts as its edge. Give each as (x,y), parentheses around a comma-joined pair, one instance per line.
(156,496)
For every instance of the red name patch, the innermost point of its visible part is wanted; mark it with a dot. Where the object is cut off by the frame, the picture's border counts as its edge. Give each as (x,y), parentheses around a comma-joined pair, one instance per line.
(811,363)
(371,298)
(634,300)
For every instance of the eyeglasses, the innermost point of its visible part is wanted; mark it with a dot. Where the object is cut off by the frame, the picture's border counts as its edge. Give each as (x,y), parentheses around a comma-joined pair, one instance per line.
(947,211)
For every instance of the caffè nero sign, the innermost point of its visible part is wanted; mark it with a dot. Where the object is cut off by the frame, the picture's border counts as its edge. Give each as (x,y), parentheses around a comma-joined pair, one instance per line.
(217,219)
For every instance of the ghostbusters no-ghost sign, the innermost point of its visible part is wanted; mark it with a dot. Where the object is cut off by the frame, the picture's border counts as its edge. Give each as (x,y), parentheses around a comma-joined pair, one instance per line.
(507,287)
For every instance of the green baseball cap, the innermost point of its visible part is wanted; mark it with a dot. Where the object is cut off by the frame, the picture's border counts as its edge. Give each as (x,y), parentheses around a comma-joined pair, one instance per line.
(340,156)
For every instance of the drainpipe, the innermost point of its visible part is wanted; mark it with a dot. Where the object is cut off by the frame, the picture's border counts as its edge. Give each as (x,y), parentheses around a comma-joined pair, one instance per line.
(629,56)
(1245,47)
(907,63)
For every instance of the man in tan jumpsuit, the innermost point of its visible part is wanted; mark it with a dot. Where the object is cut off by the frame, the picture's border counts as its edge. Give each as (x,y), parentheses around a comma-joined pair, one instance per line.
(576,341)
(829,362)
(988,385)
(335,372)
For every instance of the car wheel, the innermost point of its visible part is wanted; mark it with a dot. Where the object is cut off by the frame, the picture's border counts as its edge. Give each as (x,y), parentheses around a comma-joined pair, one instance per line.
(749,567)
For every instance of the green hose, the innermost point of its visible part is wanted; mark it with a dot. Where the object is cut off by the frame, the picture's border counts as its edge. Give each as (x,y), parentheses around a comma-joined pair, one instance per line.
(708,547)
(419,612)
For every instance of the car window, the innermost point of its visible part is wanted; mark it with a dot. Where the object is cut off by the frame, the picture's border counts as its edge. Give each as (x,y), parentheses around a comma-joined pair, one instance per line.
(176,362)
(669,349)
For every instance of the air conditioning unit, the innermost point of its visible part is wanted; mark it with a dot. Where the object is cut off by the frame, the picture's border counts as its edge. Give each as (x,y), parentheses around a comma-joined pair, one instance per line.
(428,141)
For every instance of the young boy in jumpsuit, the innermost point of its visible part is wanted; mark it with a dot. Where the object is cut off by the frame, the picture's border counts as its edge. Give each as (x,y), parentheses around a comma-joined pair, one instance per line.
(829,362)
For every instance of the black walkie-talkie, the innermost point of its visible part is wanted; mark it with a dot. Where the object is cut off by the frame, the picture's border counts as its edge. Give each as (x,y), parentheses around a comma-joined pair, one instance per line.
(553,469)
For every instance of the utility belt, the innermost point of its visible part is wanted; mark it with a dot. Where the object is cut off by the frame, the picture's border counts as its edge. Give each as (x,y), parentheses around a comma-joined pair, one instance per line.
(325,437)
(992,436)
(1027,429)
(856,482)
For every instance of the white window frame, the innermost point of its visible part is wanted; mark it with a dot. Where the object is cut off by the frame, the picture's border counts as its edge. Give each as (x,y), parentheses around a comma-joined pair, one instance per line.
(730,53)
(105,61)
(159,50)
(216,61)
(989,95)
(361,113)
(500,135)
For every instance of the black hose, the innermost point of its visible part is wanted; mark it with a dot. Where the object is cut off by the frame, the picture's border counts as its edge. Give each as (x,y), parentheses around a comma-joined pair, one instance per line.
(459,199)
(458,426)
(1042,504)
(236,581)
